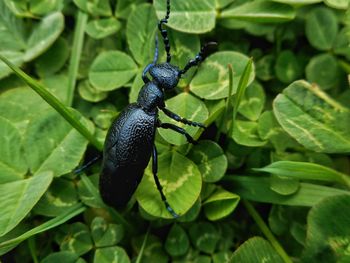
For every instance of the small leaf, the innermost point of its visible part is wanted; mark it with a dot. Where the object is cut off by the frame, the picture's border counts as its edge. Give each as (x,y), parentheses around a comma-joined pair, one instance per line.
(59,257)
(220,204)
(246,133)
(253,102)
(195,17)
(339,4)
(19,197)
(210,159)
(111,70)
(288,67)
(311,117)
(44,35)
(255,250)
(74,238)
(321,28)
(211,80)
(284,185)
(95,8)
(261,12)
(101,28)
(204,236)
(181,182)
(324,70)
(105,234)
(89,93)
(177,242)
(111,254)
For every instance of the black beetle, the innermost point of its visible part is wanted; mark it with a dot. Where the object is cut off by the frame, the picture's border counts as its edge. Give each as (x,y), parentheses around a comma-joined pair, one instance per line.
(129,144)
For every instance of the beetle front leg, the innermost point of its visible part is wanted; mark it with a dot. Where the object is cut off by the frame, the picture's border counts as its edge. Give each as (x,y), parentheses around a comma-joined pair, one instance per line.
(159,187)
(179,130)
(176,117)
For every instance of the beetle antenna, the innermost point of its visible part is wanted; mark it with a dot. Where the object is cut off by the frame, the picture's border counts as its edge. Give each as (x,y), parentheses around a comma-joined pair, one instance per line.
(156,51)
(164,32)
(198,58)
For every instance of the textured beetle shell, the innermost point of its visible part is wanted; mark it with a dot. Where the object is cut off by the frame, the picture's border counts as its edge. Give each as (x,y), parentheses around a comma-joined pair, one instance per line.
(127,151)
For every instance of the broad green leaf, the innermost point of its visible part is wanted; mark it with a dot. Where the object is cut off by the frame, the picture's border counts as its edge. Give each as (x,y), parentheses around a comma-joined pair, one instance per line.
(328,231)
(42,7)
(105,234)
(111,254)
(246,133)
(259,189)
(220,204)
(269,129)
(140,33)
(187,106)
(313,118)
(260,12)
(193,213)
(177,242)
(57,147)
(195,17)
(125,7)
(62,256)
(111,70)
(339,4)
(44,35)
(306,171)
(288,67)
(88,191)
(95,8)
(324,70)
(265,67)
(74,238)
(204,236)
(61,195)
(19,197)
(222,3)
(12,31)
(253,102)
(254,250)
(13,165)
(211,81)
(89,93)
(61,219)
(181,182)
(321,28)
(46,65)
(210,159)
(101,28)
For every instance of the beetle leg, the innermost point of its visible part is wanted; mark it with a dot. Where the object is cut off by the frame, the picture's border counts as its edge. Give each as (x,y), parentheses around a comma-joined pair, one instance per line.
(87,165)
(179,130)
(179,119)
(159,187)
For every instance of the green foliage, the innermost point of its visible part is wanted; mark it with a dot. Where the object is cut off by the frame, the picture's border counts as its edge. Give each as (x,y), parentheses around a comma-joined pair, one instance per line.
(274,97)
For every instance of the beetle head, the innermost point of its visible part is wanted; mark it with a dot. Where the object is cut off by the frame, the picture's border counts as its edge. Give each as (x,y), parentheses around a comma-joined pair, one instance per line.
(165,75)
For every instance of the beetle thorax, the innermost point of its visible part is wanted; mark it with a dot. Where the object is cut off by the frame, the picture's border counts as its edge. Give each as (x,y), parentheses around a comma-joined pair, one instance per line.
(150,97)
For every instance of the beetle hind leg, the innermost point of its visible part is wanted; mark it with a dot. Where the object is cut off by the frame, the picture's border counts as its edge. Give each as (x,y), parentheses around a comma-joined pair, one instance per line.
(179,130)
(159,187)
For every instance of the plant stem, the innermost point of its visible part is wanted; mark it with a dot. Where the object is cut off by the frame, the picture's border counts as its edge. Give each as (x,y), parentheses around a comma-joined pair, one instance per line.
(32,249)
(266,231)
(76,54)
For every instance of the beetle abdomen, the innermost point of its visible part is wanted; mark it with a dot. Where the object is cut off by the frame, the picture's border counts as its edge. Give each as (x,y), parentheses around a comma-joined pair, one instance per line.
(127,151)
